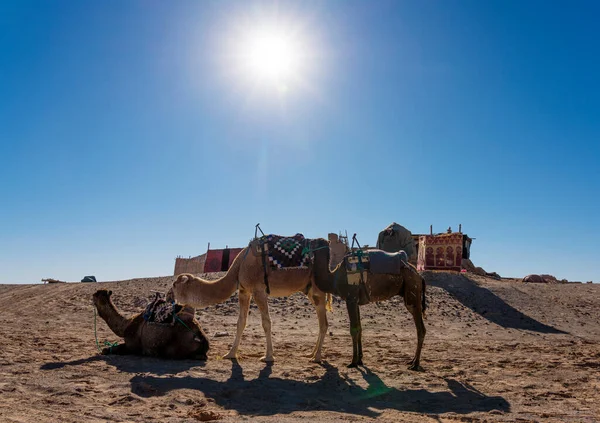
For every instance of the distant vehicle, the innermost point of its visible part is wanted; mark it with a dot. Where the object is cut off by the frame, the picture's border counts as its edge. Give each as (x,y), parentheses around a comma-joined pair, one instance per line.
(89,279)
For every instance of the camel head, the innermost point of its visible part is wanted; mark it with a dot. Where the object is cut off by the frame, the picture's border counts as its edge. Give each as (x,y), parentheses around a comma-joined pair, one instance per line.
(101,298)
(180,289)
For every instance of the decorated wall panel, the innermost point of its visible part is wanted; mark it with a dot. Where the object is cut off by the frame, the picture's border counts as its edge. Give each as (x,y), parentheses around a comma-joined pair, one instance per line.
(440,252)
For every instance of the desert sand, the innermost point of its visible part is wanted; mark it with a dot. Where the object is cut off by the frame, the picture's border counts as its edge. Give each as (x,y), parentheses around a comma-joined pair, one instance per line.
(494,351)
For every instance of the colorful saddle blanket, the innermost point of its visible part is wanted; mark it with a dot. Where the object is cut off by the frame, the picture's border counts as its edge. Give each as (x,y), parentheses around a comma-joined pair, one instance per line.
(281,251)
(160,311)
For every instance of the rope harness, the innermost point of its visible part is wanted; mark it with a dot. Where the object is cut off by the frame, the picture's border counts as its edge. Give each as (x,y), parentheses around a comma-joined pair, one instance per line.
(110,345)
(307,250)
(178,319)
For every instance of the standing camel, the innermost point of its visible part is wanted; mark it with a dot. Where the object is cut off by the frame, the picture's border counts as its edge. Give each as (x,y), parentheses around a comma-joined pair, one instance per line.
(247,276)
(401,279)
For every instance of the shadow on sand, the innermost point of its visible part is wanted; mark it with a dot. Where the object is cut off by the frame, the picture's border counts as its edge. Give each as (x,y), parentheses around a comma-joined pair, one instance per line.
(487,304)
(332,392)
(132,364)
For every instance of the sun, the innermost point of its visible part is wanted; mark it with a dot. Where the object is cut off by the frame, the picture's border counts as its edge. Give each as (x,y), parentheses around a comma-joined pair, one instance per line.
(271,55)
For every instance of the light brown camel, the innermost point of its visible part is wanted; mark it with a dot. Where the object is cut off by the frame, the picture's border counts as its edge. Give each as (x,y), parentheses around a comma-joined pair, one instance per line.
(403,280)
(182,339)
(247,276)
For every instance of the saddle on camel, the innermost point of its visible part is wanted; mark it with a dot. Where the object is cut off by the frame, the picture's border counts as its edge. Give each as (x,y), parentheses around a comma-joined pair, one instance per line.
(271,265)
(366,276)
(162,330)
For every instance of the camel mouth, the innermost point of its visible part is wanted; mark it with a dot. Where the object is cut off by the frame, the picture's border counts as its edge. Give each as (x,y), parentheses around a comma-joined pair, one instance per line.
(170,297)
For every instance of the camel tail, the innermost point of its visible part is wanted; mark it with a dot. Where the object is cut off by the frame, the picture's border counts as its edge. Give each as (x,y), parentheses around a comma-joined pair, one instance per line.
(328,300)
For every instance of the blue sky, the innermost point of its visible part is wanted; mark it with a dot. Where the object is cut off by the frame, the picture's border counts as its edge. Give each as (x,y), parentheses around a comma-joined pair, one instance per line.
(129,133)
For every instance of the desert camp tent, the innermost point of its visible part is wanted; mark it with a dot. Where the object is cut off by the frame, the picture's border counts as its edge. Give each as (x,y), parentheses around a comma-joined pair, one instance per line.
(395,238)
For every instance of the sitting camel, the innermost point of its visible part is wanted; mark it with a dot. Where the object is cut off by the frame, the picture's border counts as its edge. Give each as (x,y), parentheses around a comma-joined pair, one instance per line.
(247,275)
(400,278)
(178,340)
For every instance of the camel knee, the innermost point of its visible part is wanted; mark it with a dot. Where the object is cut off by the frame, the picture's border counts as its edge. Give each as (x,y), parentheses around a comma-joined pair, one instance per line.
(266,323)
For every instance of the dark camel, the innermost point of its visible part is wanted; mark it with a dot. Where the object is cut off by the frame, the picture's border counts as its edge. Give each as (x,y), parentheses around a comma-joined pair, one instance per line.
(176,341)
(407,283)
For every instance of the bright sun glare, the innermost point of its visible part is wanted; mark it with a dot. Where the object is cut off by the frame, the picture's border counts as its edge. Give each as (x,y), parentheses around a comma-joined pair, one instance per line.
(272,56)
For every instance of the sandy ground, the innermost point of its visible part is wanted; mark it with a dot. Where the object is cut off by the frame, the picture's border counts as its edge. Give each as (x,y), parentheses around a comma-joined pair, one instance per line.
(494,351)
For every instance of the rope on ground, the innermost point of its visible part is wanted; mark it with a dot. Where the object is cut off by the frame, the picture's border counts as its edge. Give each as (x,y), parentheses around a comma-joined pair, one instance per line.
(110,345)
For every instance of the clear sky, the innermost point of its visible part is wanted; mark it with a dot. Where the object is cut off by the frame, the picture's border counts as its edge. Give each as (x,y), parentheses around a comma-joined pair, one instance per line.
(135,131)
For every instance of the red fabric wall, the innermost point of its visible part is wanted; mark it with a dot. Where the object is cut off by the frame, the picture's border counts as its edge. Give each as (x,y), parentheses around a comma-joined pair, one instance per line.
(233,253)
(213,261)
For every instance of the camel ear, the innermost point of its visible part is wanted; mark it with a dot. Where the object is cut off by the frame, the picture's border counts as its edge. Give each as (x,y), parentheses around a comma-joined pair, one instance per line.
(182,278)
(109,293)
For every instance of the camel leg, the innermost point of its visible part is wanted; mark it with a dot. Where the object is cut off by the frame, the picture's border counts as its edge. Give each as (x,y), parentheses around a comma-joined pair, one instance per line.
(244,302)
(313,301)
(120,349)
(417,314)
(319,302)
(353,314)
(263,306)
(360,352)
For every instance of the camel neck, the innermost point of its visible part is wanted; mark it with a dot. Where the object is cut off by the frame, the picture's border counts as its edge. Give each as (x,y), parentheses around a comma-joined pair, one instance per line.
(214,292)
(324,279)
(206,293)
(115,321)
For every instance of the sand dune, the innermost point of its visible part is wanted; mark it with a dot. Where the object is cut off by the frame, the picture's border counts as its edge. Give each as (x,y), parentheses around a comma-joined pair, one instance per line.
(494,351)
